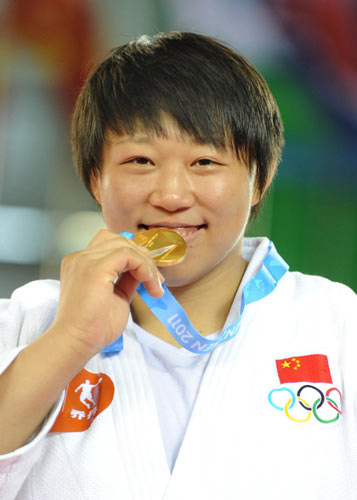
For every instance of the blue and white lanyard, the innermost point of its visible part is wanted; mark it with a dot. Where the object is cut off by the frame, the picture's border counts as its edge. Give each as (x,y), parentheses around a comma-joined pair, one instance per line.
(174,318)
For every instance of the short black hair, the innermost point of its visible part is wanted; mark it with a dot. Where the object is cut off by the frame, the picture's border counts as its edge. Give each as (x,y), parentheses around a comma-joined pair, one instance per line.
(212,93)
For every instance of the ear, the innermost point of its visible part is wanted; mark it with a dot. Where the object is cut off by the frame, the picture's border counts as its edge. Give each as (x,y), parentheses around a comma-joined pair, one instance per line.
(95,187)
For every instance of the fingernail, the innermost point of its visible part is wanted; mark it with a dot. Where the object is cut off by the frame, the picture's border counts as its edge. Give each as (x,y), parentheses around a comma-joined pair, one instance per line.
(159,283)
(161,277)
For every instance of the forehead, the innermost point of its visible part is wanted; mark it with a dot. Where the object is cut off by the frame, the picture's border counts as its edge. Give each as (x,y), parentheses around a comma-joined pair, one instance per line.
(164,125)
(168,130)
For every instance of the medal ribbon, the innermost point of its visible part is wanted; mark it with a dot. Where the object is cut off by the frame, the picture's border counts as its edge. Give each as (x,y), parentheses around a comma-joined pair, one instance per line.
(173,317)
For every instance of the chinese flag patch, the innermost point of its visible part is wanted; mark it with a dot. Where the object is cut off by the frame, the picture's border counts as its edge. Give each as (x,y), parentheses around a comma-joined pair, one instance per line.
(311,368)
(87,395)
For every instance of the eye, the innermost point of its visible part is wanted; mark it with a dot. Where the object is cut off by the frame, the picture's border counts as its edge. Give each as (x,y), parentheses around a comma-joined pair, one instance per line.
(205,162)
(140,160)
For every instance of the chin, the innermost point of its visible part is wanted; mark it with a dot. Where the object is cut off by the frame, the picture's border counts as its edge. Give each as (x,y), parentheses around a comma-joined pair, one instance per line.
(177,280)
(182,275)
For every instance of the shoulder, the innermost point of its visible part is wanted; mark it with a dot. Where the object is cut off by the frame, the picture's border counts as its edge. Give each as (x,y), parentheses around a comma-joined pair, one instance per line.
(37,293)
(312,285)
(316,292)
(29,311)
(296,286)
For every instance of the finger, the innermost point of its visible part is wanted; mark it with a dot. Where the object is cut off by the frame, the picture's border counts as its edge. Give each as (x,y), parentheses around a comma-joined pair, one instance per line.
(128,285)
(101,268)
(100,236)
(106,235)
(128,260)
(116,244)
(105,239)
(111,253)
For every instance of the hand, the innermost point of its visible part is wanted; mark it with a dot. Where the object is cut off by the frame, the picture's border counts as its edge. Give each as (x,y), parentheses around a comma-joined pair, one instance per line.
(92,309)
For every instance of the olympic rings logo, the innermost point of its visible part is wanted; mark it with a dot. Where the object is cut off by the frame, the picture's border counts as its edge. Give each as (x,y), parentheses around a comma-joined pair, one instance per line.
(318,408)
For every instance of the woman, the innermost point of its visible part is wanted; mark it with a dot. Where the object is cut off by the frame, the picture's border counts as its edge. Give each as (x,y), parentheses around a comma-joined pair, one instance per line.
(111,394)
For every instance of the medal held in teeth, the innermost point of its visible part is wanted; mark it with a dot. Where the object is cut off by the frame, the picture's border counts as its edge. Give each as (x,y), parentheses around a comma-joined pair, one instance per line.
(166,246)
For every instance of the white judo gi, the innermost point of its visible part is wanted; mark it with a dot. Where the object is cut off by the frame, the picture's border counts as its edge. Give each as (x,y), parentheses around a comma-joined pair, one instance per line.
(274,417)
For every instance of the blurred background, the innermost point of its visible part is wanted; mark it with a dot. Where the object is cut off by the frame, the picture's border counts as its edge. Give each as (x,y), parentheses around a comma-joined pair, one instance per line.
(305,49)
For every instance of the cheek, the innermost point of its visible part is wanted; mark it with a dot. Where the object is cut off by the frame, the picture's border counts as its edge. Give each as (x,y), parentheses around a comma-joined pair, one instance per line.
(228,197)
(117,195)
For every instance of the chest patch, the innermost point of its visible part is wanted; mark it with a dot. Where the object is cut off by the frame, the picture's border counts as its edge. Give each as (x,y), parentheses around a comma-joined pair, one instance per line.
(306,390)
(310,368)
(87,395)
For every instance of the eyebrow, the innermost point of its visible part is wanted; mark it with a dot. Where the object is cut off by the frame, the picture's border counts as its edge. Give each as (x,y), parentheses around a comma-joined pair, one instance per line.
(148,139)
(139,139)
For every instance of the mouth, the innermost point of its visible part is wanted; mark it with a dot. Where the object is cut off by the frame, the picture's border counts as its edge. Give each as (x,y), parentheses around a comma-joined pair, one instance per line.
(187,232)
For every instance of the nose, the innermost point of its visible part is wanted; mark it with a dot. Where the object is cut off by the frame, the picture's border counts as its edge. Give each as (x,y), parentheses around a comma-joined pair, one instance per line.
(173,189)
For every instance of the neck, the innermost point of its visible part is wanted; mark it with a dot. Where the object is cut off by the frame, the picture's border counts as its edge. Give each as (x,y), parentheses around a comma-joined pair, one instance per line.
(206,301)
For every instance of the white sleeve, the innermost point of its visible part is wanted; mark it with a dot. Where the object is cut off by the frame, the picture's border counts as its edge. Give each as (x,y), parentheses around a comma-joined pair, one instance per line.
(28,313)
(15,466)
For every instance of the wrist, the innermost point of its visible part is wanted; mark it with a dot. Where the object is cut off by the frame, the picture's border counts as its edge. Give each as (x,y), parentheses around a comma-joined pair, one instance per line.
(69,341)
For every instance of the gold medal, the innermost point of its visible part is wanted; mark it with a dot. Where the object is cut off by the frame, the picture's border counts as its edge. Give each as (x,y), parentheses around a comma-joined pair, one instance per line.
(166,247)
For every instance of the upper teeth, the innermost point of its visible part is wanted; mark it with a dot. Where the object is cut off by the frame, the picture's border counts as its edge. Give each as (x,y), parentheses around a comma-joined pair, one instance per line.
(183,231)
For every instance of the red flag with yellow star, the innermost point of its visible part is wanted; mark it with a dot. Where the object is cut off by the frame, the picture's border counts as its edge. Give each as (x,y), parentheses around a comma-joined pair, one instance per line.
(310,368)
